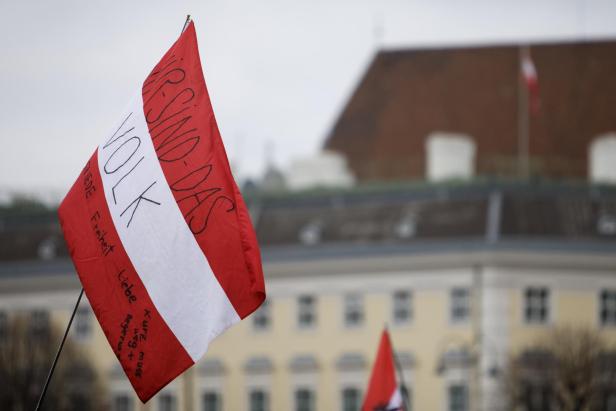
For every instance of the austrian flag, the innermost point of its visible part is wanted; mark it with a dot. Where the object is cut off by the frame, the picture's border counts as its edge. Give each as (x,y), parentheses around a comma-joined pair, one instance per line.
(529,75)
(383,393)
(158,231)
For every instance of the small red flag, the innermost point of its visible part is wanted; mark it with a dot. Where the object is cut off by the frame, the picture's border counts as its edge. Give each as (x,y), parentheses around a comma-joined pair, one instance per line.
(157,228)
(529,74)
(383,393)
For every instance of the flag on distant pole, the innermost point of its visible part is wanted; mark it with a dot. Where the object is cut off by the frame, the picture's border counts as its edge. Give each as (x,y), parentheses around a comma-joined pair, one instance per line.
(529,74)
(383,393)
(158,231)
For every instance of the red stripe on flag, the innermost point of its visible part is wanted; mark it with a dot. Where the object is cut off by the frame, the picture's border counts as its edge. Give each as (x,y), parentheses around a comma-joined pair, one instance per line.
(150,354)
(382,385)
(188,145)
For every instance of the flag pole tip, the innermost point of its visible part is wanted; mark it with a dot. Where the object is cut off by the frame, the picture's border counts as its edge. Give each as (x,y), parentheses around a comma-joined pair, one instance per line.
(186,23)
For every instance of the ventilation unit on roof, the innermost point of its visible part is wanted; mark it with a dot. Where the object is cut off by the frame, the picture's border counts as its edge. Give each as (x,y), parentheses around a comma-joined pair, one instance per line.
(449,156)
(606,224)
(602,164)
(310,234)
(327,169)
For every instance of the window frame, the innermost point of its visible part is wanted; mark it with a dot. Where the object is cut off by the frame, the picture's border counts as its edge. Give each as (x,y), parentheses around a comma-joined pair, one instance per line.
(4,325)
(465,388)
(262,314)
(312,397)
(216,394)
(83,323)
(353,306)
(527,301)
(40,323)
(306,302)
(453,301)
(600,308)
(266,399)
(396,301)
(358,392)
(531,392)
(130,401)
(173,401)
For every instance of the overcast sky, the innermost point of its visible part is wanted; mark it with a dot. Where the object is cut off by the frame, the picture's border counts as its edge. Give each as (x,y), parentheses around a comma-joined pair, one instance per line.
(278,71)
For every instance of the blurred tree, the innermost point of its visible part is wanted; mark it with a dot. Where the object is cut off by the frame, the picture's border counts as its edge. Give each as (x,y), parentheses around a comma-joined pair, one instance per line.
(570,370)
(23,204)
(27,349)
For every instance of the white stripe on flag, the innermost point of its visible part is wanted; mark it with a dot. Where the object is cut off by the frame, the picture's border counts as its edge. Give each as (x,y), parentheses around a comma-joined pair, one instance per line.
(528,69)
(157,239)
(395,402)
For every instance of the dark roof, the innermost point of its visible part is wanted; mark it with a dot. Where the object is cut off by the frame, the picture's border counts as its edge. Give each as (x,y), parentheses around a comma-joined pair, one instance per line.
(386,220)
(407,94)
(29,235)
(438,214)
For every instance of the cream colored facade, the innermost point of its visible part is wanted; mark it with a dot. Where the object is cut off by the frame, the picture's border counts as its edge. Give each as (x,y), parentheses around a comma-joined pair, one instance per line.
(435,351)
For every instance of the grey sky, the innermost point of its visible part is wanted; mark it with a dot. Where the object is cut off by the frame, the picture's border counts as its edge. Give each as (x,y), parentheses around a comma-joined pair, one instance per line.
(278,71)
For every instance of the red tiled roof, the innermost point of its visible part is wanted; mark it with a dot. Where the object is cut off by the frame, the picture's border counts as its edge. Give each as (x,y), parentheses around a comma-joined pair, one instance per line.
(407,94)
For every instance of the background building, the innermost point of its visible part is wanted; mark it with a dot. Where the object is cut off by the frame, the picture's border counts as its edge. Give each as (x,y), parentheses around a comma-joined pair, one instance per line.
(466,272)
(407,95)
(464,277)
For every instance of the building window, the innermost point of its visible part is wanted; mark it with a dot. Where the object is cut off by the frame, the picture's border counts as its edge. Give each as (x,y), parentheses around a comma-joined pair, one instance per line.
(536,397)
(123,402)
(353,310)
(607,310)
(211,401)
(304,400)
(261,319)
(351,399)
(306,315)
(402,307)
(78,400)
(4,325)
(167,402)
(536,301)
(457,397)
(259,400)
(460,305)
(83,325)
(608,400)
(39,323)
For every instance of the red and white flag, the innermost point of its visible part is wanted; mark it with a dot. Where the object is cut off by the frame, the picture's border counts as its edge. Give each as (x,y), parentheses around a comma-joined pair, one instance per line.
(529,75)
(383,393)
(157,228)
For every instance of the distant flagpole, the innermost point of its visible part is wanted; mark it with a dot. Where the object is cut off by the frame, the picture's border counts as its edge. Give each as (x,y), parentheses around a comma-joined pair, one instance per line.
(403,390)
(384,390)
(523,117)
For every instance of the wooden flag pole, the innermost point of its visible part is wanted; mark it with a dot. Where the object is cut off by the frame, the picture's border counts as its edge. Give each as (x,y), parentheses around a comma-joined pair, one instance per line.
(55,361)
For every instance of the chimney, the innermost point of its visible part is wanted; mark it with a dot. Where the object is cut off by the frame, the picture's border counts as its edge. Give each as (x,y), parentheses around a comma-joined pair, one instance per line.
(449,156)
(602,159)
